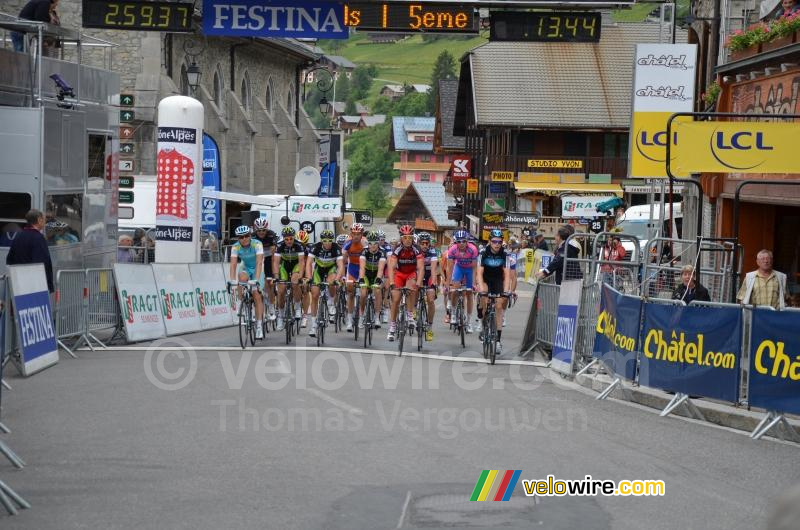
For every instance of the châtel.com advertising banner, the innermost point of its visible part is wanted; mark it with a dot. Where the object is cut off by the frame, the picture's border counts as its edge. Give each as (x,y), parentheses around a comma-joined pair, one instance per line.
(663,84)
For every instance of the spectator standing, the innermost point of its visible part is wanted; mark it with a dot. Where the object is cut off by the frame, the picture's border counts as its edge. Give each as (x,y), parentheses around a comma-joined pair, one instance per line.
(788,7)
(38,11)
(690,289)
(764,286)
(539,242)
(125,254)
(30,246)
(611,251)
(563,250)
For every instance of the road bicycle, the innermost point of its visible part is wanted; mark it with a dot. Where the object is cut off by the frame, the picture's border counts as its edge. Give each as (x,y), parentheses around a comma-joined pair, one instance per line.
(356,308)
(322,311)
(458,317)
(290,323)
(246,312)
(402,319)
(369,318)
(489,327)
(422,316)
(341,308)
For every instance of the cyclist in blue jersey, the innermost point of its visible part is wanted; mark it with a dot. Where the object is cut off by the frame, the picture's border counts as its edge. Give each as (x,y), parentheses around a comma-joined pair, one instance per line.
(247,263)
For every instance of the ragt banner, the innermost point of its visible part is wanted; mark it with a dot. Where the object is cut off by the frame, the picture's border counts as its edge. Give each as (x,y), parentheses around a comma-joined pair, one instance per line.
(692,350)
(138,300)
(617,332)
(179,302)
(774,379)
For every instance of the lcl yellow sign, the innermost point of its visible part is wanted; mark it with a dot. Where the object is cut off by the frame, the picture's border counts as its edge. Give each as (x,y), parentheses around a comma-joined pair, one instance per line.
(735,147)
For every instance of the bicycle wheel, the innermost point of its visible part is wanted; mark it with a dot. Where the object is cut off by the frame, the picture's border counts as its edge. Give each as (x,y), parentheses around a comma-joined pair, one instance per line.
(484,334)
(369,315)
(422,320)
(288,317)
(356,304)
(462,322)
(401,328)
(322,319)
(492,339)
(251,328)
(244,322)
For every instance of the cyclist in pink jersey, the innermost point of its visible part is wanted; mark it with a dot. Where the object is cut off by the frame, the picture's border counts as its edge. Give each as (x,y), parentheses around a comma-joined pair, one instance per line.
(462,259)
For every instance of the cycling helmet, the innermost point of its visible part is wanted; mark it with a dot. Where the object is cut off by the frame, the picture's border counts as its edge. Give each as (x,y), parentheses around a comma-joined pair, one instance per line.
(373,237)
(496,233)
(302,237)
(287,231)
(261,223)
(406,230)
(242,230)
(460,236)
(341,239)
(51,225)
(424,236)
(381,234)
(326,235)
(357,227)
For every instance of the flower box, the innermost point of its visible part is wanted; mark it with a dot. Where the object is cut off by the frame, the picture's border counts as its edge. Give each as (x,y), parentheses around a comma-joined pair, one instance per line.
(738,55)
(780,42)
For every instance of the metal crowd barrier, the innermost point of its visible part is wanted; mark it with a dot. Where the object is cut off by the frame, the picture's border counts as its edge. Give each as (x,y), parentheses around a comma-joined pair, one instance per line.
(70,309)
(85,303)
(546,307)
(103,311)
(587,319)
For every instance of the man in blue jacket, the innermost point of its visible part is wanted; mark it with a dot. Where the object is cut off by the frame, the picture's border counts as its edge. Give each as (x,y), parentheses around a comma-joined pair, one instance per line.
(30,246)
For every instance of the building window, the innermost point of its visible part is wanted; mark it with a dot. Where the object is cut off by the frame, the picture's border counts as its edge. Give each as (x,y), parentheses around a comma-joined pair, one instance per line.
(290,100)
(64,216)
(425,177)
(13,207)
(268,99)
(219,89)
(426,157)
(245,94)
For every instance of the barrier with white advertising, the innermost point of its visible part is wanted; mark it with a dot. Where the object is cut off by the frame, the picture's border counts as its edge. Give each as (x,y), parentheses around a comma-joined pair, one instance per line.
(35,330)
(569,301)
(213,299)
(179,302)
(138,300)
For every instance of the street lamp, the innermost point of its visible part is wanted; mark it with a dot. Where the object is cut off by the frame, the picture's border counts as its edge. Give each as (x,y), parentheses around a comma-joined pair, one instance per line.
(324,106)
(193,76)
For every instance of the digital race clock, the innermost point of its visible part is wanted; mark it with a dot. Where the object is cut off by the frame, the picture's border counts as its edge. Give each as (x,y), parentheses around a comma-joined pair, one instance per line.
(139,15)
(543,26)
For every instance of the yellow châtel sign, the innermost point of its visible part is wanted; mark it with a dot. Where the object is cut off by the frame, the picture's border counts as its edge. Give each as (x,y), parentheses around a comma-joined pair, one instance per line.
(502,176)
(556,164)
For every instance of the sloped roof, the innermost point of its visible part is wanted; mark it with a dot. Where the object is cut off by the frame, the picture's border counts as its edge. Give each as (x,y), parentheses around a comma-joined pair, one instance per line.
(338,60)
(402,125)
(350,119)
(393,88)
(547,84)
(433,199)
(423,89)
(448,93)
(375,119)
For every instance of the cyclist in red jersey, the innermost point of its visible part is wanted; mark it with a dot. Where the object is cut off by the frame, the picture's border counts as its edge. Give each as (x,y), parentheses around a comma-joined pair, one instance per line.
(406,269)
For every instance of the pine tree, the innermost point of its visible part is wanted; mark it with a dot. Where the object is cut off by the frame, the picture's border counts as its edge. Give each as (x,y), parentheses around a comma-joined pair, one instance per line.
(444,68)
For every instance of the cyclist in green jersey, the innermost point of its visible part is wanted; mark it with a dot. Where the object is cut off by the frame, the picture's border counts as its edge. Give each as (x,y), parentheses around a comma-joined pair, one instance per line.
(247,264)
(288,263)
(373,262)
(325,264)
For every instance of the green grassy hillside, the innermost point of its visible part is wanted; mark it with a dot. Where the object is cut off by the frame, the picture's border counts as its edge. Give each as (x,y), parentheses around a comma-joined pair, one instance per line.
(410,60)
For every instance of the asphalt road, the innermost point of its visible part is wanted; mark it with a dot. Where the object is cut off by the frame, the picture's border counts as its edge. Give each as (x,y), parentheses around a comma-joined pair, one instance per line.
(307,438)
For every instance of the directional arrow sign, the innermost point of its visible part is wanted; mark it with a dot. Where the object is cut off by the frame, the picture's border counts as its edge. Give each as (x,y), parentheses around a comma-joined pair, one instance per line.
(126,165)
(126,115)
(127,148)
(125,132)
(126,100)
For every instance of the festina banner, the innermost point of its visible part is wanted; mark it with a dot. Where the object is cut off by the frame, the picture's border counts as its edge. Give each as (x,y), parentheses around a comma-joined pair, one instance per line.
(274,18)
(664,76)
(35,328)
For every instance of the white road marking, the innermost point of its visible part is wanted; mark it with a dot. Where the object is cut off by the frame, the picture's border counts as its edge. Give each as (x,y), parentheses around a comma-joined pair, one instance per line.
(335,402)
(402,520)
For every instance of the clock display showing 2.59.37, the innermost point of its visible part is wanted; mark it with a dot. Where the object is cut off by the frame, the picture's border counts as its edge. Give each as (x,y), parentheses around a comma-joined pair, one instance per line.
(138,15)
(542,26)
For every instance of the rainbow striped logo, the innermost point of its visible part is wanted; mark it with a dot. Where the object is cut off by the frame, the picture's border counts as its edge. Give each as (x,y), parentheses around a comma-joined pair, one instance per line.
(495,485)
